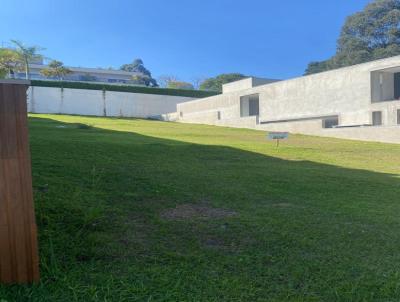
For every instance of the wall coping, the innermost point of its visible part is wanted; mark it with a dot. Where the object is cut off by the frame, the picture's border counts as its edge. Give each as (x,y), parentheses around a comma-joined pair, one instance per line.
(14,81)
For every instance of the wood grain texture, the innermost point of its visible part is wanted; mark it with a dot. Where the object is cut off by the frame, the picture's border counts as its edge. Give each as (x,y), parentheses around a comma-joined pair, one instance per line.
(19,261)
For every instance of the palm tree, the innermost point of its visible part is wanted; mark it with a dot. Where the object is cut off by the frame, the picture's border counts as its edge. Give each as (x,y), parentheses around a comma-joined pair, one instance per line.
(27,54)
(56,69)
(9,62)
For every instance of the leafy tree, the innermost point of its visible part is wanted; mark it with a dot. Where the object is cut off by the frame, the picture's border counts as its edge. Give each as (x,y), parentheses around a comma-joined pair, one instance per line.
(171,81)
(144,80)
(196,81)
(315,67)
(215,84)
(9,62)
(27,54)
(138,66)
(164,80)
(371,34)
(180,85)
(56,69)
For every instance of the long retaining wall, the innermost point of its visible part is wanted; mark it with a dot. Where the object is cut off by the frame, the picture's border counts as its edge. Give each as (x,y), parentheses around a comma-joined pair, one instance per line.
(103,103)
(384,134)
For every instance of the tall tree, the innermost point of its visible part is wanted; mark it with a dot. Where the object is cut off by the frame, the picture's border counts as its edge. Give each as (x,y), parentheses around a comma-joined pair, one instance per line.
(138,66)
(315,67)
(56,69)
(9,62)
(27,54)
(371,34)
(215,84)
(144,80)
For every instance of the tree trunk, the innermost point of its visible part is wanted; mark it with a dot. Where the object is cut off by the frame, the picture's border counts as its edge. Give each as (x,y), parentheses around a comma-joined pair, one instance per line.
(27,76)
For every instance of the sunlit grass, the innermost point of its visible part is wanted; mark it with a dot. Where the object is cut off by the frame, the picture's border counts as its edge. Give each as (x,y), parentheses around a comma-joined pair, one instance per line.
(315,219)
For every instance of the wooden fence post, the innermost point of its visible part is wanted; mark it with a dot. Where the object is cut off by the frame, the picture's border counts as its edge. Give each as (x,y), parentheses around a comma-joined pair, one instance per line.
(19,260)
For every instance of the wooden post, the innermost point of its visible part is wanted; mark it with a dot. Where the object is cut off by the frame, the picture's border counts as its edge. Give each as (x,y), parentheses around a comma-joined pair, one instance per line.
(19,260)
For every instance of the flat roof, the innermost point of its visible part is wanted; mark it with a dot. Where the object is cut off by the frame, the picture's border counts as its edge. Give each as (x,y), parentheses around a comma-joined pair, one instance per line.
(90,70)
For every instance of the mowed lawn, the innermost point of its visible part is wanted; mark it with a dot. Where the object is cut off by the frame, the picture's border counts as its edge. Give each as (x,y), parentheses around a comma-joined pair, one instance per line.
(136,210)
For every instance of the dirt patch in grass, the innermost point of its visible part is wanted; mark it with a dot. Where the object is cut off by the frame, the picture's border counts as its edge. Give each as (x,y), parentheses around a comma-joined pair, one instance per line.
(190,211)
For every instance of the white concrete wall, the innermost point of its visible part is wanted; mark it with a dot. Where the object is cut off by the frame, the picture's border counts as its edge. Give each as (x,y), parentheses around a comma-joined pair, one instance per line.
(99,103)
(385,134)
(237,85)
(389,111)
(245,84)
(345,92)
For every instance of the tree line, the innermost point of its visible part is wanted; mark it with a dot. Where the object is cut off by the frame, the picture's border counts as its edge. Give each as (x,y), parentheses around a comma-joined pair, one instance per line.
(20,56)
(371,34)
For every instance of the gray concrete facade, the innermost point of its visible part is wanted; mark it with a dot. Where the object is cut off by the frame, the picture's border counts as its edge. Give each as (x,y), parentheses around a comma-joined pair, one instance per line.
(356,102)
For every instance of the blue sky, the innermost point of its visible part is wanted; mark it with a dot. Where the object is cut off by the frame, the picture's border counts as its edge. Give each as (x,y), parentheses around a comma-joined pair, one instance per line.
(185,38)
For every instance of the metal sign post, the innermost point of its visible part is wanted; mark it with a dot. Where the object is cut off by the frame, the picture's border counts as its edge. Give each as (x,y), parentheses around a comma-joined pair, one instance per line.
(278,136)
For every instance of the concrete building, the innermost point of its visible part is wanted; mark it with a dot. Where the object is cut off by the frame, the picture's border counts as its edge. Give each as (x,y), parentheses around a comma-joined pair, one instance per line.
(356,102)
(83,74)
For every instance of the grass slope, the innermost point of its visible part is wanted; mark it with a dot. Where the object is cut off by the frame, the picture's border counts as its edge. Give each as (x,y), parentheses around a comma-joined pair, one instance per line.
(317,219)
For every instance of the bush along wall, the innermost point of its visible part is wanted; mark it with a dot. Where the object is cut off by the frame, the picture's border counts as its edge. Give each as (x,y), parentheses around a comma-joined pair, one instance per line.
(124,88)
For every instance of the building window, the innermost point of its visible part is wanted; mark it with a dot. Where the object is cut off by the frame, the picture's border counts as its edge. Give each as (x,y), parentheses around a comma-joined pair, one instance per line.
(377,118)
(385,86)
(330,122)
(219,115)
(398,116)
(249,105)
(180,113)
(397,86)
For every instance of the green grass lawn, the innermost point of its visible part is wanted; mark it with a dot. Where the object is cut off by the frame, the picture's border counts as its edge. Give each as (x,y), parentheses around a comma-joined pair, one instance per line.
(316,219)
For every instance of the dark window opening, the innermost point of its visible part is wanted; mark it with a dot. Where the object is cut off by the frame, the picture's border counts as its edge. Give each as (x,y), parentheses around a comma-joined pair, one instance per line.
(219,115)
(397,86)
(398,116)
(385,86)
(377,118)
(181,114)
(249,105)
(330,122)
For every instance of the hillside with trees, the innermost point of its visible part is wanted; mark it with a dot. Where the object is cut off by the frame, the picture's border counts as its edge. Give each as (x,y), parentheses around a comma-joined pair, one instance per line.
(371,34)
(215,84)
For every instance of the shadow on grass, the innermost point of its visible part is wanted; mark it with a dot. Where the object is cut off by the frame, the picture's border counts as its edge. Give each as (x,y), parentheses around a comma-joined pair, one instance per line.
(304,230)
